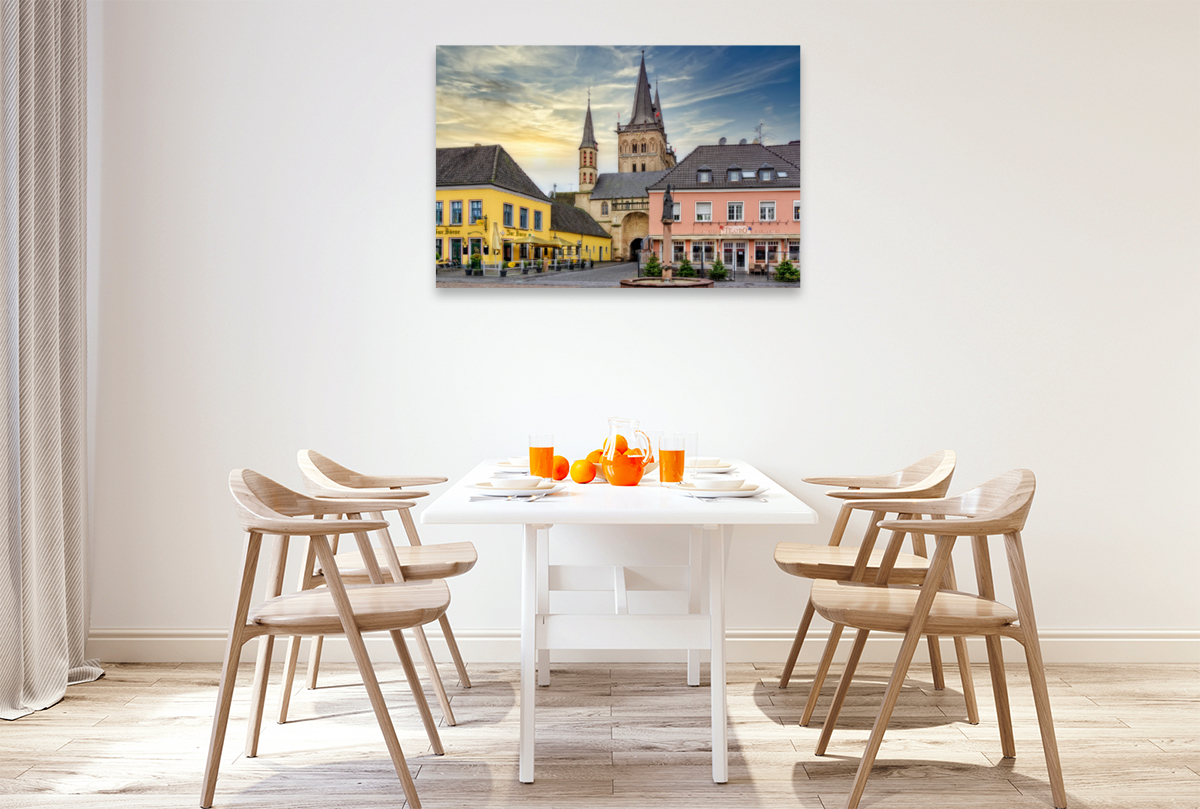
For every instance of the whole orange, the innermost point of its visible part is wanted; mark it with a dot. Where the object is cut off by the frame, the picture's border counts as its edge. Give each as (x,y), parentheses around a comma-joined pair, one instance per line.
(595,455)
(560,467)
(583,471)
(622,445)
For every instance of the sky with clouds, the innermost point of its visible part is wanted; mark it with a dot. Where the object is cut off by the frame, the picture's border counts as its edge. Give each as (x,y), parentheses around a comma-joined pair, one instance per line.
(532,100)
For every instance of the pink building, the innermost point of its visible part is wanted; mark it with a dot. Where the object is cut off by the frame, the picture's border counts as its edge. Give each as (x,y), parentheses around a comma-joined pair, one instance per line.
(739,203)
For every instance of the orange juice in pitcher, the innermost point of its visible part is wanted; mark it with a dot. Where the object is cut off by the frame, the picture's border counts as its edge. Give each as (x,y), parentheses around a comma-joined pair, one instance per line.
(627,453)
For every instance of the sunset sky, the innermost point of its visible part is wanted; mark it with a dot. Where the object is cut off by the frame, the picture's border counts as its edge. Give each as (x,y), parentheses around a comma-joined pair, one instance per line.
(532,100)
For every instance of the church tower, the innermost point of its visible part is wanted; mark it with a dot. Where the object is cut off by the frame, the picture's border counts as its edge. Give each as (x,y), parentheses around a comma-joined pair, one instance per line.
(588,153)
(642,143)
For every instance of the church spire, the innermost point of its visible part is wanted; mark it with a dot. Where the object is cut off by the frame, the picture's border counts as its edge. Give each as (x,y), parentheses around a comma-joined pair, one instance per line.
(657,104)
(643,106)
(589,137)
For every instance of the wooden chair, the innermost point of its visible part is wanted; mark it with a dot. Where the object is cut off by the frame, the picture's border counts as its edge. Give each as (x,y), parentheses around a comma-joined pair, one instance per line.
(928,477)
(264,507)
(998,507)
(412,562)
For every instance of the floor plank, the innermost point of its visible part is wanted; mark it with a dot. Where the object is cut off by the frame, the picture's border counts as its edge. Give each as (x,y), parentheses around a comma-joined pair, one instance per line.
(610,736)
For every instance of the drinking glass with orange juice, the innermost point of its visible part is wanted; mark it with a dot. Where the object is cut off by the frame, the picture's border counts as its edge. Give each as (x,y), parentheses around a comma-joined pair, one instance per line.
(671,449)
(541,455)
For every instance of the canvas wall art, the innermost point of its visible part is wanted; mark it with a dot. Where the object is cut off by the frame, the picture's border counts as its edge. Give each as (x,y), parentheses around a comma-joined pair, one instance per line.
(664,167)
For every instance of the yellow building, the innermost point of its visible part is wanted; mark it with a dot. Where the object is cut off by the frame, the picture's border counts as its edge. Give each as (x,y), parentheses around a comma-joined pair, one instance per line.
(488,206)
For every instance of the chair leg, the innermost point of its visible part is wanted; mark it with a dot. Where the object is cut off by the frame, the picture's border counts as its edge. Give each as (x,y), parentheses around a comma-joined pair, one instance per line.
(912,638)
(367,671)
(968,682)
(414,684)
(289,676)
(1037,669)
(835,634)
(839,697)
(233,651)
(790,663)
(464,679)
(258,693)
(262,666)
(220,722)
(935,662)
(1008,742)
(314,661)
(434,676)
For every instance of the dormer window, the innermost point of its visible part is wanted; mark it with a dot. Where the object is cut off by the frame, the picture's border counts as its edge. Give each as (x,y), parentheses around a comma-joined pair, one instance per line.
(734,174)
(764,173)
(704,175)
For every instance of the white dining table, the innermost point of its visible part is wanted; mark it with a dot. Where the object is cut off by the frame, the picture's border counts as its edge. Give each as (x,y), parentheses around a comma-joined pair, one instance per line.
(596,503)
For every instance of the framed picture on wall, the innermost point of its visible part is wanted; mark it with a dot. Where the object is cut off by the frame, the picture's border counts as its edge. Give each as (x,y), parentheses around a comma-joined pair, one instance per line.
(584,166)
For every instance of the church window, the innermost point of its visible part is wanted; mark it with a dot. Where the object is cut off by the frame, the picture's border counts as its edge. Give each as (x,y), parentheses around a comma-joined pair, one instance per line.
(635,166)
(604,209)
(507,215)
(643,147)
(643,167)
(456,212)
(525,219)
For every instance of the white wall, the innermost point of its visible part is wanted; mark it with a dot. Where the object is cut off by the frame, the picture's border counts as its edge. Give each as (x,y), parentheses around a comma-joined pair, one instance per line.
(1000,257)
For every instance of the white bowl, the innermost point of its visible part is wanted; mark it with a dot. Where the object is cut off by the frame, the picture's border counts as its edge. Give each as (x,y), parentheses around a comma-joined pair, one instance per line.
(521,482)
(723,483)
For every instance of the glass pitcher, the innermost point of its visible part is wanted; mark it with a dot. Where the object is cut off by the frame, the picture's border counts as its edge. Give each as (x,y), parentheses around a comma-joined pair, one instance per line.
(628,453)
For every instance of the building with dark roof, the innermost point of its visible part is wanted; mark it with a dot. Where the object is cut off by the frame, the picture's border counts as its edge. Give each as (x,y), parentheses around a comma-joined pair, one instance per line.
(487,205)
(739,203)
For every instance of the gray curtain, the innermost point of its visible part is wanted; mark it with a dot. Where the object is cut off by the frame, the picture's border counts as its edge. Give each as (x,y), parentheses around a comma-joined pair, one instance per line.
(43,496)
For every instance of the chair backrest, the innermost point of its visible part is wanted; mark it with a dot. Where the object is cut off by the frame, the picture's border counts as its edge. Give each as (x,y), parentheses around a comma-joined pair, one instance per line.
(261,501)
(935,468)
(928,477)
(999,506)
(1003,501)
(322,472)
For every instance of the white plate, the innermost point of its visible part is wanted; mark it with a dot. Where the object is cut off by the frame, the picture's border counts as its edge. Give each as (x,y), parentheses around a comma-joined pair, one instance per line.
(498,489)
(509,466)
(708,465)
(709,470)
(747,490)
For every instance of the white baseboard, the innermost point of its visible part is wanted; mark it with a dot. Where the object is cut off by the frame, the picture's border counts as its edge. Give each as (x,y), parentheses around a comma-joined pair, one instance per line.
(742,646)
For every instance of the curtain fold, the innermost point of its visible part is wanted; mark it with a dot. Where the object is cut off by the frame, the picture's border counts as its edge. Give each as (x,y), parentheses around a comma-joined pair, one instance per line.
(43,494)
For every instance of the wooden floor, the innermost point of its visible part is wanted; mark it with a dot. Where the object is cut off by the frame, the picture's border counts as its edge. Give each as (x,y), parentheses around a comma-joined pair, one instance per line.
(610,736)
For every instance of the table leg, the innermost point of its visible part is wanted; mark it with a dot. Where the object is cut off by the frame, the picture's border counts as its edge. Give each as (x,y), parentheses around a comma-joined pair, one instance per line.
(529,562)
(543,600)
(695,563)
(720,536)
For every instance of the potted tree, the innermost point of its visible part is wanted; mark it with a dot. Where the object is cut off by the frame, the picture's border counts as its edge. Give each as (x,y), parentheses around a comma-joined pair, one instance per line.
(653,268)
(786,271)
(686,270)
(717,271)
(477,264)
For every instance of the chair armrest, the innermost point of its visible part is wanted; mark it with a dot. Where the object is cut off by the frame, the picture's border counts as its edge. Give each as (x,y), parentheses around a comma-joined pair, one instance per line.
(914,505)
(348,505)
(308,528)
(398,481)
(372,494)
(855,481)
(949,528)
